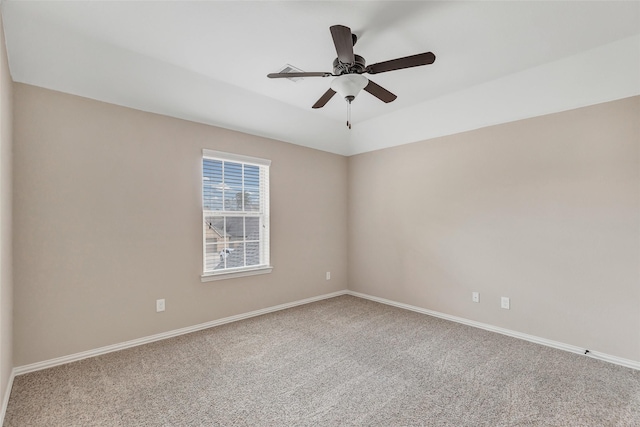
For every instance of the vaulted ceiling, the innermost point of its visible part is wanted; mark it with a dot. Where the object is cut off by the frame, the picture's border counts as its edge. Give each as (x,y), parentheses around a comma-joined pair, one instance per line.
(207,62)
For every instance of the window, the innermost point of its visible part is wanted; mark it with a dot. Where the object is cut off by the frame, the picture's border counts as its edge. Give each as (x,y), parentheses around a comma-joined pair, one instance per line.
(235,211)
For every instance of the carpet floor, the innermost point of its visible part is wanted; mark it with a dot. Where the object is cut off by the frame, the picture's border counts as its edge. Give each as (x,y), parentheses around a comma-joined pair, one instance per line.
(344,361)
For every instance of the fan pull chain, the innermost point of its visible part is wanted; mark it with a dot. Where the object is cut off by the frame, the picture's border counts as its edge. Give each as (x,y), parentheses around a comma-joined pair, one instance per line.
(349,113)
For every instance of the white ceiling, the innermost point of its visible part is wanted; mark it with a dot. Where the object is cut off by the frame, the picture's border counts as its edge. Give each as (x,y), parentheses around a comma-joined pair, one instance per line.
(207,62)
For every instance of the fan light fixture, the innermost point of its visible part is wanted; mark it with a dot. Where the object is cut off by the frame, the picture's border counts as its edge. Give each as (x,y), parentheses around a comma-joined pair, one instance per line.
(349,67)
(349,86)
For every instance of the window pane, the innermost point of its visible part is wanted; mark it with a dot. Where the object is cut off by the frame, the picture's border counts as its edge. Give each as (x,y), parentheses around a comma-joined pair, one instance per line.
(252,228)
(253,253)
(252,188)
(211,258)
(233,186)
(214,227)
(234,228)
(215,241)
(212,185)
(235,255)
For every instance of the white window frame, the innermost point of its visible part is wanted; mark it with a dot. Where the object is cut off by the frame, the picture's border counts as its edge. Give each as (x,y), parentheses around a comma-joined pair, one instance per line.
(263,213)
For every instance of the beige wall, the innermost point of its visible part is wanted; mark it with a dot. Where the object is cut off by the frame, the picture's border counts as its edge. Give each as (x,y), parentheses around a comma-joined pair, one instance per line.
(6,277)
(107,220)
(545,211)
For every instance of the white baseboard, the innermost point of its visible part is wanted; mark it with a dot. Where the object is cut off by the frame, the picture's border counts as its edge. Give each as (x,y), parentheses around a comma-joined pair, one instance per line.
(7,394)
(145,340)
(531,338)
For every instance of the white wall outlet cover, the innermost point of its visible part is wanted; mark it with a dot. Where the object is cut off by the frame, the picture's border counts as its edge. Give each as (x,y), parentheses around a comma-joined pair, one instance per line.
(475,296)
(159,305)
(328,275)
(504,303)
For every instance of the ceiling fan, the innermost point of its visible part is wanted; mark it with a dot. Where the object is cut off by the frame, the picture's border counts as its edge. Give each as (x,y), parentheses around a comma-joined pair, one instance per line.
(349,67)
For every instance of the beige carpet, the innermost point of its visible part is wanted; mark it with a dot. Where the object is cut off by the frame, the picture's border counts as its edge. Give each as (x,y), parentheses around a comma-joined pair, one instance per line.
(338,362)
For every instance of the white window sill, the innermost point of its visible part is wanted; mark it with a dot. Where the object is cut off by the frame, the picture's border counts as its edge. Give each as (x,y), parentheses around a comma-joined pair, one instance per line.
(210,277)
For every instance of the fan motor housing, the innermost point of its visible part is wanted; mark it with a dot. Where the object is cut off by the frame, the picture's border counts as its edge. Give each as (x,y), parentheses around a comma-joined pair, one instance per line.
(358,66)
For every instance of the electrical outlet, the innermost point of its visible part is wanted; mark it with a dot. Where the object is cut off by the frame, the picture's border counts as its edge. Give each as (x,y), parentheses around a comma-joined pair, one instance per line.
(159,305)
(328,275)
(475,296)
(504,303)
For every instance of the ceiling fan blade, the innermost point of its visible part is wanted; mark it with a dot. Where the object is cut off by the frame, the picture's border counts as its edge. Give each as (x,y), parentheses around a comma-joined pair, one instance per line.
(324,99)
(379,92)
(289,75)
(400,63)
(344,43)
